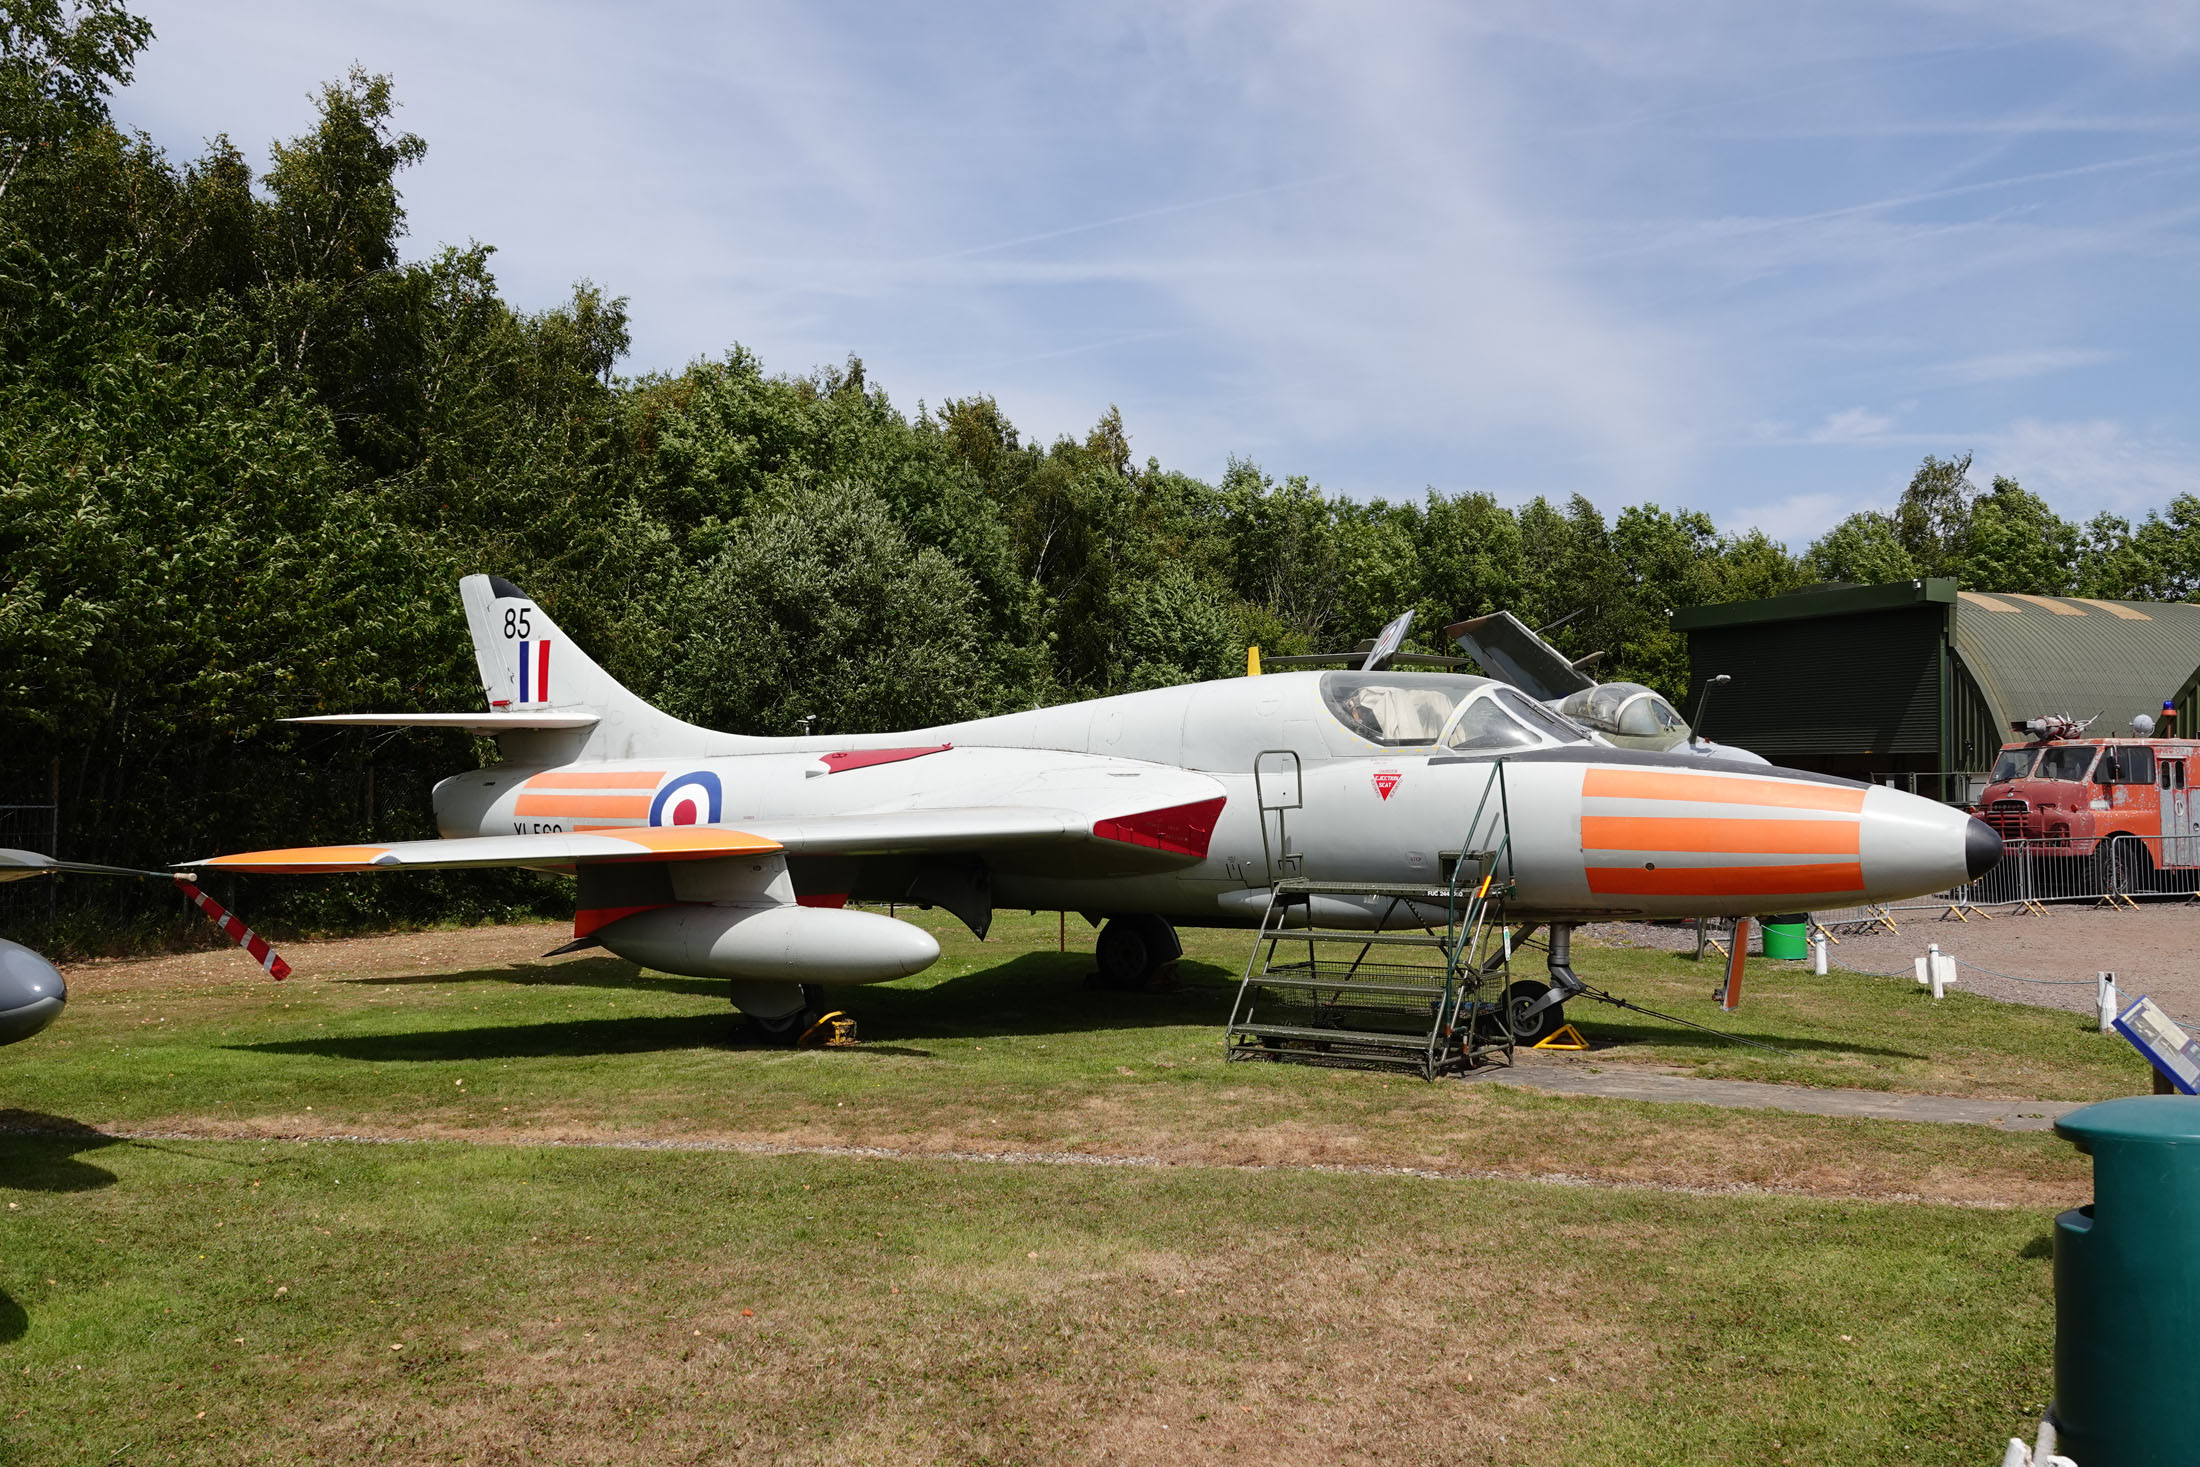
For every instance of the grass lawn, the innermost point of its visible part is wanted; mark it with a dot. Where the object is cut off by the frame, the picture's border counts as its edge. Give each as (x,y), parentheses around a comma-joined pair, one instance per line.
(286,1302)
(586,1304)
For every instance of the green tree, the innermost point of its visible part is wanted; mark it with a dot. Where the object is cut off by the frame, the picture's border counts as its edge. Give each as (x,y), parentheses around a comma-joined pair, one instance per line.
(1863,550)
(1933,519)
(2016,543)
(821,605)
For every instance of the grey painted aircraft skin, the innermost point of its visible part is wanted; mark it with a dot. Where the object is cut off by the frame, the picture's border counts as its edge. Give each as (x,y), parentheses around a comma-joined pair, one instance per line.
(1140,806)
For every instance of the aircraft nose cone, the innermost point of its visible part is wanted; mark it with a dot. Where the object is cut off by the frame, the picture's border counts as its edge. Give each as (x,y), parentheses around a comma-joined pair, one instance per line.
(1981,849)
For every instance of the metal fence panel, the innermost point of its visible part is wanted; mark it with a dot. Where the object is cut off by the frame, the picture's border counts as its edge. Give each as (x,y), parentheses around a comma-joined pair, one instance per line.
(29,828)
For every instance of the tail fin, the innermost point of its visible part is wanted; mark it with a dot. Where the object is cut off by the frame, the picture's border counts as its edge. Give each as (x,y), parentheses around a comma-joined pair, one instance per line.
(529,666)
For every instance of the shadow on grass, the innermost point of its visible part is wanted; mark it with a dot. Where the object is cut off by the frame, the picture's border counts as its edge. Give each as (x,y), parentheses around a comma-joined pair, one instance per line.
(1679,1037)
(40,1153)
(1036,993)
(644,1035)
(1040,993)
(13,1321)
(604,972)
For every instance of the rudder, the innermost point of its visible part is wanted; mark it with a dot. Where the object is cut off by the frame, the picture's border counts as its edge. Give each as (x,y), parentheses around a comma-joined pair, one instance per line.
(528,665)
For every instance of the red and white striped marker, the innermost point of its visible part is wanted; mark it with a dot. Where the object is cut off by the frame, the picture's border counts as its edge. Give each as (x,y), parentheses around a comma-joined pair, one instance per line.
(262,952)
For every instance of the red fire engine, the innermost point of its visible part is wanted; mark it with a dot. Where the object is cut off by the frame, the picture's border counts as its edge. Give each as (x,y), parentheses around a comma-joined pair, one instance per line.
(2071,796)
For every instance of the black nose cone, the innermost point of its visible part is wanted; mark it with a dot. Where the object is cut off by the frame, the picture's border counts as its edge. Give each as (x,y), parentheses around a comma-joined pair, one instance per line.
(1981,849)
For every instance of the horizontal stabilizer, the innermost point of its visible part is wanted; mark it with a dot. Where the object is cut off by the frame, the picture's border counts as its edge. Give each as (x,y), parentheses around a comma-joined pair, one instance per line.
(471,722)
(15,865)
(667,843)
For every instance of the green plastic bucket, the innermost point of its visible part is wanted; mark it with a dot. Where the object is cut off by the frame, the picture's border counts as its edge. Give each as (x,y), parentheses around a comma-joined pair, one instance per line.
(1788,937)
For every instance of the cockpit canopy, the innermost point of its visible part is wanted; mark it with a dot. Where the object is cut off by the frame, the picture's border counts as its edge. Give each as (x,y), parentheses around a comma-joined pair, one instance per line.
(1627,713)
(1408,710)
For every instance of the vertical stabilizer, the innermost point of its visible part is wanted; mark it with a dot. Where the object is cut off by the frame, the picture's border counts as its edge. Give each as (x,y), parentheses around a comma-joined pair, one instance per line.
(529,666)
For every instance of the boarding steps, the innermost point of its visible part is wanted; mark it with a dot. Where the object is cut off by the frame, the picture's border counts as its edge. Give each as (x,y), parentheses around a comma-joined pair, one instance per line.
(1371,974)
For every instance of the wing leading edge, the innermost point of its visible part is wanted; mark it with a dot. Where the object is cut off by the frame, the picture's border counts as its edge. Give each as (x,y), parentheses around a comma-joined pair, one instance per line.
(1177,832)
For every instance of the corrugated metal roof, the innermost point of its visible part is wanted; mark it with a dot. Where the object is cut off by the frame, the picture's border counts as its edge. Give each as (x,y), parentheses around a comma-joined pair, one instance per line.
(2033,655)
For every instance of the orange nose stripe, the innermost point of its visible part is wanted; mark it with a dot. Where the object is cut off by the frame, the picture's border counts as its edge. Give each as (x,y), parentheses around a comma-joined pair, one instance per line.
(566,806)
(645,779)
(1835,878)
(1717,789)
(1744,837)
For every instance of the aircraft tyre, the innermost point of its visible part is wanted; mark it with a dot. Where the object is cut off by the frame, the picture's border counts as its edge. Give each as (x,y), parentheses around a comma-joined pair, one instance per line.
(776,1024)
(1527,1028)
(1137,953)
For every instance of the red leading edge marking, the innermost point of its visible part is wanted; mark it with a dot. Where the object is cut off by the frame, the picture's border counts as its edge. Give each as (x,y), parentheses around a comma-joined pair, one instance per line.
(1184,830)
(847,759)
(262,953)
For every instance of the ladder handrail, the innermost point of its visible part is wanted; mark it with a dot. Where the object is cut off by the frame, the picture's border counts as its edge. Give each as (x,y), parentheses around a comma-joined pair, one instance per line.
(1473,902)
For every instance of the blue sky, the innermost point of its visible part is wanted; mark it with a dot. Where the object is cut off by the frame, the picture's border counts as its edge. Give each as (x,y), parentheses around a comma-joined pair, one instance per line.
(1752,259)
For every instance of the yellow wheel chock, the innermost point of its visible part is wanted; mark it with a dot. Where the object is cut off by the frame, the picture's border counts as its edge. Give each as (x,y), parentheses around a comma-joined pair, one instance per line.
(1565,1036)
(832,1031)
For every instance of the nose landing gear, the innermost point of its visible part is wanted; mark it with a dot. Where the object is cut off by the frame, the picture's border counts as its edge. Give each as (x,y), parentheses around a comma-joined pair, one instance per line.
(1535,1010)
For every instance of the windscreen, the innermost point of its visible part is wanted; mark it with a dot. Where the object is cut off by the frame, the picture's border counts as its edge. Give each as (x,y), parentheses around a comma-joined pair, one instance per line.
(2066,761)
(1538,717)
(1483,725)
(2014,764)
(1395,709)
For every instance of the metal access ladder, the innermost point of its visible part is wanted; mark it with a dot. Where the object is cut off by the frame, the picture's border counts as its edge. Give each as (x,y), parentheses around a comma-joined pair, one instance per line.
(1423,989)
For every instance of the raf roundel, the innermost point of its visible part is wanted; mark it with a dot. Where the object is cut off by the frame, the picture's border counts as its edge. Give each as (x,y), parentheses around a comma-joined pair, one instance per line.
(688,799)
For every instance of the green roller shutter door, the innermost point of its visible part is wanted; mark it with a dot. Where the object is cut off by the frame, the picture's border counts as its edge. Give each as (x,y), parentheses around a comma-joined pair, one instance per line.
(1859,684)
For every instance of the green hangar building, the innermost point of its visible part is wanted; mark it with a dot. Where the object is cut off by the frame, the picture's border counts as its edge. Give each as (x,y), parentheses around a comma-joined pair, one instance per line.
(1918,682)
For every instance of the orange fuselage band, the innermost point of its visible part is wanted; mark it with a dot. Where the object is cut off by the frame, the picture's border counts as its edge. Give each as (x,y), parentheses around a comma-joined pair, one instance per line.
(1743,837)
(1719,789)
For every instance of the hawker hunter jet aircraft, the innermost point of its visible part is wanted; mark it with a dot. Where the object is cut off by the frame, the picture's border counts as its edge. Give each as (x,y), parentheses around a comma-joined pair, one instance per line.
(719,855)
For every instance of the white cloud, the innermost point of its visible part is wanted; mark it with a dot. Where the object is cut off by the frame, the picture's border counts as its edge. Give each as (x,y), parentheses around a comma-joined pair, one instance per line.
(2082,468)
(1851,425)
(1799,519)
(2012,366)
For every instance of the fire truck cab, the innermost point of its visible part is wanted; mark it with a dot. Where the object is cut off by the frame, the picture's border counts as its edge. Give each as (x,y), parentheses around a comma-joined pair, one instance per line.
(2068,795)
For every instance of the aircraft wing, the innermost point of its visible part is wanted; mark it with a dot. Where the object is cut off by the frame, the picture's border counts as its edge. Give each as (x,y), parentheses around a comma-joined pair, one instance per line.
(644,843)
(1172,832)
(1509,651)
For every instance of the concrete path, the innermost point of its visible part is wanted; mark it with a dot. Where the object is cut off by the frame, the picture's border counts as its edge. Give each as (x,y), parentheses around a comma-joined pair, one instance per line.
(1632,1082)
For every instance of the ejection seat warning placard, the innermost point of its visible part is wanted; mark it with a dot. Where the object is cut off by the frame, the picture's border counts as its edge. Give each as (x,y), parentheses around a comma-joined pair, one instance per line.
(2164,1042)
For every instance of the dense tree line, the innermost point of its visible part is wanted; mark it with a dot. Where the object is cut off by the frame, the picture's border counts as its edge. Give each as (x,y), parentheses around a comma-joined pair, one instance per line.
(247,448)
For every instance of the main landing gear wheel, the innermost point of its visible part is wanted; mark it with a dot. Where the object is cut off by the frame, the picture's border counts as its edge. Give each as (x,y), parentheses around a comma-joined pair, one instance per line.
(1137,952)
(1530,1029)
(784,1031)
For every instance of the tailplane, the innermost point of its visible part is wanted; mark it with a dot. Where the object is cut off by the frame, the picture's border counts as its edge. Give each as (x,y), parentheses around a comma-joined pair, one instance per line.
(529,667)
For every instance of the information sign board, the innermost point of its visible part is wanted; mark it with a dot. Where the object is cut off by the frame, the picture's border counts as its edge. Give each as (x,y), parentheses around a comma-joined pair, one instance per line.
(2172,1051)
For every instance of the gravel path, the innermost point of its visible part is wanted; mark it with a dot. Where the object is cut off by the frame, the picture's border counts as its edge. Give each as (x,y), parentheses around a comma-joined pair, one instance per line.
(1636,1082)
(2047,960)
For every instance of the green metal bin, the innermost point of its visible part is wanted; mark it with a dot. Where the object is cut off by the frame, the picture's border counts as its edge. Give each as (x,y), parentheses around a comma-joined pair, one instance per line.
(2127,1287)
